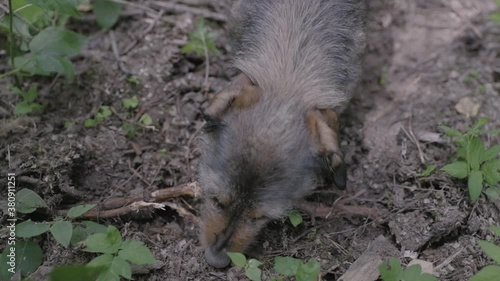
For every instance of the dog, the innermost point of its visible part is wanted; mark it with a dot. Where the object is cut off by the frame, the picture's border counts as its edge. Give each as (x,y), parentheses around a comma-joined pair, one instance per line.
(272,135)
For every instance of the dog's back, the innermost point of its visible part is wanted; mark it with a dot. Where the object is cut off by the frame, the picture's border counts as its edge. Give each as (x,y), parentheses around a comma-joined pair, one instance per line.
(291,46)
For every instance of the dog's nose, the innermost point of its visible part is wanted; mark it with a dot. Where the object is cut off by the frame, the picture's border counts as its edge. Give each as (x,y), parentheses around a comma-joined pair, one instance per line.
(216,258)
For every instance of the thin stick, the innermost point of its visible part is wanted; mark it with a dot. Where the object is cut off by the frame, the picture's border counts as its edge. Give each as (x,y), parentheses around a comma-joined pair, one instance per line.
(124,205)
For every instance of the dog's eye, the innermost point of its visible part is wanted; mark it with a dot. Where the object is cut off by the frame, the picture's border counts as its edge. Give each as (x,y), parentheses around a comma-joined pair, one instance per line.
(218,204)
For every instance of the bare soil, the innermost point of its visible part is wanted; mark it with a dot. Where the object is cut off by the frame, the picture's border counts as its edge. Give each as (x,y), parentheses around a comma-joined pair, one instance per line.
(420,57)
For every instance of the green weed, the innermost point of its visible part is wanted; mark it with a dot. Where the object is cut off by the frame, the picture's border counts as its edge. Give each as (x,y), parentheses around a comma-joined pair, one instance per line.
(480,165)
(393,271)
(284,266)
(490,272)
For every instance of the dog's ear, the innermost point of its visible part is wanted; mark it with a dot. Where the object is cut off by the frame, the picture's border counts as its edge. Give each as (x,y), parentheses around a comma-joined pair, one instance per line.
(324,128)
(242,93)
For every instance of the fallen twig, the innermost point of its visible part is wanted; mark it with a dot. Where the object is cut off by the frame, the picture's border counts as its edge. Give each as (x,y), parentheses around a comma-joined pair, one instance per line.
(120,206)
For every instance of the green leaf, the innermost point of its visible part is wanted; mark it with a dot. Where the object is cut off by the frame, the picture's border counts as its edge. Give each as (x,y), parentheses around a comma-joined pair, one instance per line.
(62,232)
(487,273)
(309,271)
(42,64)
(80,210)
(253,273)
(146,119)
(108,243)
(493,193)
(412,273)
(295,217)
(286,265)
(107,12)
(28,257)
(136,252)
(20,27)
(475,185)
(427,277)
(75,273)
(31,95)
(105,111)
(29,228)
(238,259)
(480,123)
(68,7)
(89,123)
(495,229)
(94,227)
(450,131)
(456,169)
(391,270)
(23,108)
(130,103)
(109,275)
(104,260)
(87,228)
(428,171)
(491,250)
(490,153)
(28,201)
(476,151)
(254,263)
(121,267)
(54,41)
(491,171)
(68,69)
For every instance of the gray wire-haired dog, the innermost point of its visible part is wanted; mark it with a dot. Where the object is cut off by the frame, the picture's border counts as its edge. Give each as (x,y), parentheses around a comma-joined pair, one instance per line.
(272,135)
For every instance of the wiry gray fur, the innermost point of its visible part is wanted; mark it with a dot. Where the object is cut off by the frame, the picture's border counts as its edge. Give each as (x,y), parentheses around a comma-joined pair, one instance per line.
(303,54)
(309,48)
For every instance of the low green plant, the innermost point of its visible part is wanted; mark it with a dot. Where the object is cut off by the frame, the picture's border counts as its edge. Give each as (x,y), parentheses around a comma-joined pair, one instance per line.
(201,41)
(291,267)
(490,272)
(38,42)
(295,217)
(251,266)
(480,165)
(131,129)
(472,76)
(284,266)
(146,119)
(496,15)
(27,104)
(116,255)
(428,171)
(130,103)
(63,230)
(382,81)
(392,270)
(103,114)
(134,80)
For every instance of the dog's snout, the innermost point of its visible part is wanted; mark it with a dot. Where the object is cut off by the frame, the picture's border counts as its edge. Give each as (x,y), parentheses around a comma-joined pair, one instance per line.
(216,257)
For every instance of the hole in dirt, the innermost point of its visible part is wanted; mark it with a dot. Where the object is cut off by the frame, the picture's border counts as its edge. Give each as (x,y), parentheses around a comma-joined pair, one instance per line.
(445,239)
(78,172)
(331,277)
(496,75)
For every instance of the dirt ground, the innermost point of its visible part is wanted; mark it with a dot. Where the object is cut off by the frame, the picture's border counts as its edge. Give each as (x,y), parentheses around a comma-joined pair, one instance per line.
(420,59)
